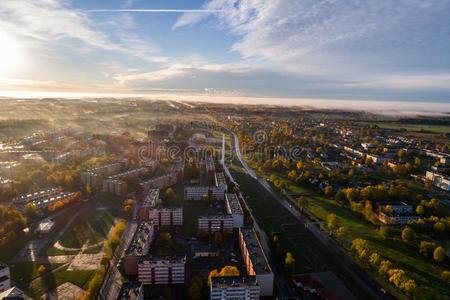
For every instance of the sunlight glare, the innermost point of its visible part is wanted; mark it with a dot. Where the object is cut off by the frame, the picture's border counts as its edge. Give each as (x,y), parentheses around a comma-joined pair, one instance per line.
(10,53)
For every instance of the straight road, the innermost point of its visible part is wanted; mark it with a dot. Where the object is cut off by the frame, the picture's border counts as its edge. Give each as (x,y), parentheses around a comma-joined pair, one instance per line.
(371,287)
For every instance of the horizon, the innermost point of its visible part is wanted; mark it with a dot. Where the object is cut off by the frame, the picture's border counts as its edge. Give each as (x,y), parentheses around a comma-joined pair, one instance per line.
(347,51)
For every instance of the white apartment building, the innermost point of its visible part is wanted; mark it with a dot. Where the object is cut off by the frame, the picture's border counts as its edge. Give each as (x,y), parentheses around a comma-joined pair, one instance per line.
(5,277)
(94,177)
(37,196)
(234,208)
(166,216)
(220,180)
(234,287)
(161,270)
(255,260)
(213,223)
(197,193)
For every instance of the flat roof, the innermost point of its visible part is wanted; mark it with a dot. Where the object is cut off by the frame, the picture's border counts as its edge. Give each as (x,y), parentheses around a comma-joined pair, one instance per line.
(141,237)
(152,198)
(233,281)
(256,253)
(233,202)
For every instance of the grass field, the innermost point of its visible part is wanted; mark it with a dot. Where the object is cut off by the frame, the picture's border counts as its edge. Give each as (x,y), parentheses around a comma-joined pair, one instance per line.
(55,275)
(422,270)
(310,254)
(410,127)
(91,227)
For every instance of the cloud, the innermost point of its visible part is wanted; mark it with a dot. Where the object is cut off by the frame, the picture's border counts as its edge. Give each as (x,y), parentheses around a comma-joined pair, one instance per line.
(346,37)
(142,10)
(52,22)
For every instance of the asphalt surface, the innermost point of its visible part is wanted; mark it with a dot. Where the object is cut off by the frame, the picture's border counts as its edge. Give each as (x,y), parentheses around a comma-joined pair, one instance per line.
(370,286)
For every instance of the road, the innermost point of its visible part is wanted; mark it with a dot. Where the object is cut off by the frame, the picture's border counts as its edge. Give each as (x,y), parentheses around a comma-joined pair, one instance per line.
(371,287)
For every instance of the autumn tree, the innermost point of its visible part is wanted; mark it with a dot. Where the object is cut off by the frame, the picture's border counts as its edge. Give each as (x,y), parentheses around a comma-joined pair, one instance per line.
(41,269)
(332,221)
(302,203)
(426,248)
(408,235)
(439,254)
(289,261)
(225,271)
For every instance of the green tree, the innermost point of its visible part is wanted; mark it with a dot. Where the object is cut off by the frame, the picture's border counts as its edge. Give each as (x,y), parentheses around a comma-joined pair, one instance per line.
(385,231)
(420,210)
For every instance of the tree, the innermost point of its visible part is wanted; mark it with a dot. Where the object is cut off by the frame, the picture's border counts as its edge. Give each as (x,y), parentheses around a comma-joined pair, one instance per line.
(417,161)
(374,259)
(408,235)
(426,248)
(445,275)
(225,271)
(41,269)
(332,221)
(289,261)
(439,254)
(88,189)
(385,265)
(439,226)
(328,191)
(340,232)
(401,153)
(170,194)
(31,210)
(396,276)
(302,203)
(419,210)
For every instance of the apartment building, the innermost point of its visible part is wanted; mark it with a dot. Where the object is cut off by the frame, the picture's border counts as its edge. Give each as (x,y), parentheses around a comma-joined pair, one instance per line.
(197,193)
(166,216)
(94,177)
(217,222)
(220,180)
(162,181)
(139,246)
(37,196)
(234,287)
(5,277)
(233,207)
(116,186)
(151,200)
(255,260)
(133,290)
(162,270)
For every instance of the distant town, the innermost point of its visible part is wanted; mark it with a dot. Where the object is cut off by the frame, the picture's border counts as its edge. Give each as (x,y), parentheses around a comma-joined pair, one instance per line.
(140,199)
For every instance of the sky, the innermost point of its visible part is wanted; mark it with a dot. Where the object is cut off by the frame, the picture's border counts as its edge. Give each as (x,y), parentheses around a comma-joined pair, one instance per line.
(316,49)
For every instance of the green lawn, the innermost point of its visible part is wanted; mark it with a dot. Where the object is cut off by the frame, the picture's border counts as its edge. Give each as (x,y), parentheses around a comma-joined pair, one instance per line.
(422,270)
(23,273)
(90,226)
(410,127)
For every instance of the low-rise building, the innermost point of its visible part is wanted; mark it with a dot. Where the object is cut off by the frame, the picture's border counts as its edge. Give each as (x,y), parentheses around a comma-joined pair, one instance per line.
(162,270)
(45,226)
(220,179)
(37,196)
(396,213)
(5,277)
(234,287)
(139,246)
(439,180)
(255,260)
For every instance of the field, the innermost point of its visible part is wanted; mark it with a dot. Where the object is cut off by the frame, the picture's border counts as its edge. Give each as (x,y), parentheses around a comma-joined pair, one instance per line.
(77,227)
(422,270)
(411,127)
(310,254)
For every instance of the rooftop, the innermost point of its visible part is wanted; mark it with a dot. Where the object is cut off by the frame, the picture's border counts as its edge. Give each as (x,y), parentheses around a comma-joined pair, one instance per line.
(254,248)
(233,204)
(130,291)
(152,198)
(233,281)
(141,241)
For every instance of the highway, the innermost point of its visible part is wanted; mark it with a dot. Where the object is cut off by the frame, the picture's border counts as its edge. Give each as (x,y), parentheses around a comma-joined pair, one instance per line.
(371,287)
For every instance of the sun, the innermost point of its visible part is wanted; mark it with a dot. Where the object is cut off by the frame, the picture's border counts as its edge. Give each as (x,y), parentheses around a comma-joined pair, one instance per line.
(10,54)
